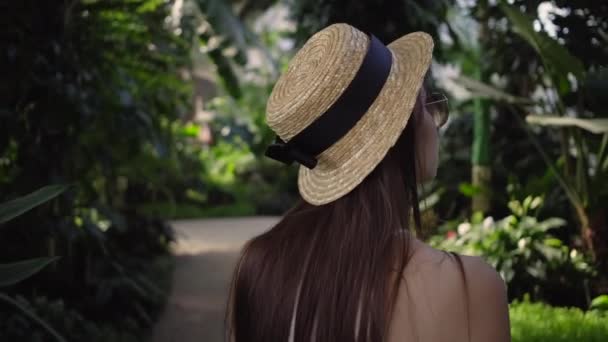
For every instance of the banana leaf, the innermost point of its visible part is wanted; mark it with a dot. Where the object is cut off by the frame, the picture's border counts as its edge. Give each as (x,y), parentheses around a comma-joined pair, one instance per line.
(483,90)
(595,126)
(556,58)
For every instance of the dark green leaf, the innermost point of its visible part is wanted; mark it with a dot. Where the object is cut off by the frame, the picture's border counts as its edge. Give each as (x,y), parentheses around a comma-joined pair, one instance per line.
(32,316)
(13,273)
(556,57)
(18,206)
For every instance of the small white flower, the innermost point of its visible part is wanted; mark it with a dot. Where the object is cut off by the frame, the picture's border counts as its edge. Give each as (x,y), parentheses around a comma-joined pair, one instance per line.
(536,202)
(521,244)
(488,223)
(573,253)
(463,228)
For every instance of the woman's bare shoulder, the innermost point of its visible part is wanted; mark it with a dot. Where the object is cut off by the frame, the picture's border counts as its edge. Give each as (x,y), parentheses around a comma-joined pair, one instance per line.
(489,306)
(475,267)
(487,298)
(487,292)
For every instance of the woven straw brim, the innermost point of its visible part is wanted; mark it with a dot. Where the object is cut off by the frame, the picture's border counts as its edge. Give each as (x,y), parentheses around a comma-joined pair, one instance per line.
(346,163)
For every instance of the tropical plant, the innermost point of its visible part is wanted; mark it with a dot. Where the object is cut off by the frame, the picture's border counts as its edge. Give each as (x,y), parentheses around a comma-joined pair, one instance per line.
(13,273)
(581,169)
(91,92)
(232,177)
(220,31)
(387,20)
(70,322)
(522,249)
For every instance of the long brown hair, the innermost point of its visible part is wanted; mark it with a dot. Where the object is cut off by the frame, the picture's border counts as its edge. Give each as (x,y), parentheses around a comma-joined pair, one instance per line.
(324,258)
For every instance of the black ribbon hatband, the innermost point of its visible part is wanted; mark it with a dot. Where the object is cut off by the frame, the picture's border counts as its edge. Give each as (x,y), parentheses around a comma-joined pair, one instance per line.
(332,125)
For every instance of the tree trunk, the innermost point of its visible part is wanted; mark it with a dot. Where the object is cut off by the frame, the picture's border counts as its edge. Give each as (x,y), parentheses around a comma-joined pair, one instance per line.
(595,236)
(481,172)
(481,176)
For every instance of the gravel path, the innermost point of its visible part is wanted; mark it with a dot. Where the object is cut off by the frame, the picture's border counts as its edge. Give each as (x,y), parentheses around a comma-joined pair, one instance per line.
(206,252)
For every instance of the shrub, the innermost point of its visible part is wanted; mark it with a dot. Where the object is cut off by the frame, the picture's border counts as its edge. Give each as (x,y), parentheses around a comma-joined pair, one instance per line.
(17,327)
(91,92)
(526,255)
(537,322)
(138,298)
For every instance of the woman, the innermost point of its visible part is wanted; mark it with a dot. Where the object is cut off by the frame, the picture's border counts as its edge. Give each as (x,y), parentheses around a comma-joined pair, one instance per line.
(344,264)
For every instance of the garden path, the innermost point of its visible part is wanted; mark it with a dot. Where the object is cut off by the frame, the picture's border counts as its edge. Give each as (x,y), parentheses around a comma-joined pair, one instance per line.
(206,252)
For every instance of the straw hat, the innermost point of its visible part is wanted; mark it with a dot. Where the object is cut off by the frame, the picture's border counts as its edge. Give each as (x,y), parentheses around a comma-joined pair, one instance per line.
(341,105)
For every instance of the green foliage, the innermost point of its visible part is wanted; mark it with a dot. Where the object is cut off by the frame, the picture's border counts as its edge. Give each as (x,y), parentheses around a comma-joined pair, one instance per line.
(528,257)
(236,166)
(229,176)
(509,166)
(220,30)
(11,274)
(388,20)
(527,61)
(599,303)
(18,206)
(560,64)
(83,120)
(32,316)
(78,324)
(90,98)
(140,288)
(555,57)
(537,322)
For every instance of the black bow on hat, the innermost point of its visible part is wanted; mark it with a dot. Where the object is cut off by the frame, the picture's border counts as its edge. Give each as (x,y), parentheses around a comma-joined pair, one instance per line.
(286,153)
